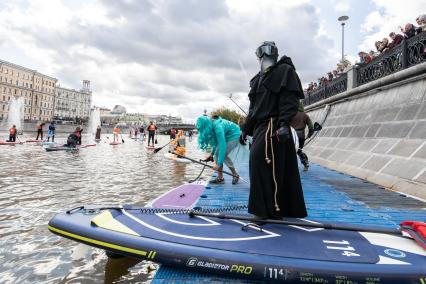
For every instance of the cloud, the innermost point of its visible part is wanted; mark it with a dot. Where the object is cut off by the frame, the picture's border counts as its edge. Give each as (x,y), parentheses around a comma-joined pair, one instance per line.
(387,17)
(162,56)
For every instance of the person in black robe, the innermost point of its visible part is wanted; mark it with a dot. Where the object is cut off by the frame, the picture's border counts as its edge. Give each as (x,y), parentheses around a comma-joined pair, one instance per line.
(275,186)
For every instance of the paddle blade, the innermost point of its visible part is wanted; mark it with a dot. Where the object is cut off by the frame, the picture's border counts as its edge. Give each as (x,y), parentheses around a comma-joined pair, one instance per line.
(156,142)
(157,149)
(417,230)
(317,126)
(122,140)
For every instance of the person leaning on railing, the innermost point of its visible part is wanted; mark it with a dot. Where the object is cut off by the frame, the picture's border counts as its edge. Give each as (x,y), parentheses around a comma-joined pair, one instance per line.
(396,39)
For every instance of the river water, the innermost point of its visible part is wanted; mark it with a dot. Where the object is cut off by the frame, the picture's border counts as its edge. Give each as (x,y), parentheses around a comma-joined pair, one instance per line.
(35,184)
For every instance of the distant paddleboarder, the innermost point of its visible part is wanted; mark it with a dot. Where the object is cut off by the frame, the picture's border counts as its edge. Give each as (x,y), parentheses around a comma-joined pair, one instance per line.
(275,186)
(74,138)
(12,133)
(51,132)
(178,145)
(98,133)
(116,131)
(40,130)
(152,130)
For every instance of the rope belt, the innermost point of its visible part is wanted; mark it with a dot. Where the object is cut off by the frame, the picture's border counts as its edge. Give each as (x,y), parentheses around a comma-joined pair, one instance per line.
(268,139)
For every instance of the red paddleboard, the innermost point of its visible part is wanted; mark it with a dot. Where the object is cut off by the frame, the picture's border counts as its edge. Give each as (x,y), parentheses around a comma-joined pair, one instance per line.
(115,143)
(150,147)
(10,143)
(183,196)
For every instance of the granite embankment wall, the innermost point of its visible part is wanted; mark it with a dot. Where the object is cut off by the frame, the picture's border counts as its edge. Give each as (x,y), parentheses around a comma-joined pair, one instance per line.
(376,132)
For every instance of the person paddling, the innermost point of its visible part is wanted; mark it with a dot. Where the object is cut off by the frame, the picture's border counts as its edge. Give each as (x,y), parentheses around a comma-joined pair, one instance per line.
(73,138)
(116,131)
(178,145)
(40,131)
(222,136)
(152,130)
(12,133)
(51,132)
(98,133)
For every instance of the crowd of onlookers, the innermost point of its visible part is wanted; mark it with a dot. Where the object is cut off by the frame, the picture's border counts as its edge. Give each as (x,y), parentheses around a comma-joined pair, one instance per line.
(408,31)
(382,46)
(341,68)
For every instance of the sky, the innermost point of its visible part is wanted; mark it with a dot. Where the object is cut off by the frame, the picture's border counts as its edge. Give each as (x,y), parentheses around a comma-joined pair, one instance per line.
(180,57)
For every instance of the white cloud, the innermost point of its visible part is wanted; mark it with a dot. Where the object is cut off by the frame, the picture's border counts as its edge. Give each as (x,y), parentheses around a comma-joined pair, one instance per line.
(162,56)
(342,6)
(388,17)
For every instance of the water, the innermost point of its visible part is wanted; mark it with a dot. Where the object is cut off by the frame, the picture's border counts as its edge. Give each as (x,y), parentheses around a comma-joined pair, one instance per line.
(35,184)
(94,121)
(16,114)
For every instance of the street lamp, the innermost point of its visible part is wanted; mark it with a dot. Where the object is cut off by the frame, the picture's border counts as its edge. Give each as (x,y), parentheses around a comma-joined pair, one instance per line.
(343,19)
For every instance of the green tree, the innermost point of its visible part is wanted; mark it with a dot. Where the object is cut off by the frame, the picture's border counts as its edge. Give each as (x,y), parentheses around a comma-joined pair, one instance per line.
(228,114)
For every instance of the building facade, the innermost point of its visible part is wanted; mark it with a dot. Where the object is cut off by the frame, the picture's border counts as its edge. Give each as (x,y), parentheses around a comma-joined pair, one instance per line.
(36,89)
(73,105)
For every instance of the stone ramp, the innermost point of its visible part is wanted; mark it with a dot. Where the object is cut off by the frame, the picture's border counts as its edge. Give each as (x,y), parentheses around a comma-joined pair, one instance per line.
(378,135)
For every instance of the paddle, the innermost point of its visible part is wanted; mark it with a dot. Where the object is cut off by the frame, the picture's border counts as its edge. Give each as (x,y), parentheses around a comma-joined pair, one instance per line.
(293,222)
(159,149)
(206,165)
(122,140)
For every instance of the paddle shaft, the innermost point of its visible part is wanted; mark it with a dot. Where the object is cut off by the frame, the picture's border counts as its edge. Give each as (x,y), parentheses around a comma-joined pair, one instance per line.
(206,165)
(327,226)
(158,149)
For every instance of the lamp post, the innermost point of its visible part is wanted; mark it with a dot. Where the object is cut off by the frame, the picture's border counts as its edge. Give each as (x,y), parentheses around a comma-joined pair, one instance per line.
(343,19)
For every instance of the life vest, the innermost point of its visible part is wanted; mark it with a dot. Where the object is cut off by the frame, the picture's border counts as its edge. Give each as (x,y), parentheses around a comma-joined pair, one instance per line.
(116,130)
(173,131)
(152,127)
(12,131)
(39,127)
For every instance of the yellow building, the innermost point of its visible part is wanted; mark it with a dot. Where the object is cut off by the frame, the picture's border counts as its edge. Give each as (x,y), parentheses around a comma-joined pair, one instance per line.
(36,89)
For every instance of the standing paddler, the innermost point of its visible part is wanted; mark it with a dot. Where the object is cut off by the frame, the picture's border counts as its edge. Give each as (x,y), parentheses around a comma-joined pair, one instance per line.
(40,130)
(12,133)
(51,132)
(275,186)
(299,123)
(152,130)
(98,133)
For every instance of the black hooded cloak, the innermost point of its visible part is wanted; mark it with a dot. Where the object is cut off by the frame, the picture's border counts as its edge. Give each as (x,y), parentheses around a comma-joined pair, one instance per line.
(274,100)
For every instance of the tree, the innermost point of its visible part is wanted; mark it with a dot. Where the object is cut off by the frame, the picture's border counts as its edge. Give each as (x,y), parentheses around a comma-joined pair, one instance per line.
(228,114)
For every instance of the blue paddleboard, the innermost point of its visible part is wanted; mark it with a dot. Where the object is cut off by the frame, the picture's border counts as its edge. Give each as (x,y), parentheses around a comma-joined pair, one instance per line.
(272,252)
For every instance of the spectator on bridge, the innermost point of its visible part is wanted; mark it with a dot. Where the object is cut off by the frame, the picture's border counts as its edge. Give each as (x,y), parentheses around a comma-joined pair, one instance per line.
(396,39)
(384,45)
(330,76)
(409,31)
(377,44)
(421,21)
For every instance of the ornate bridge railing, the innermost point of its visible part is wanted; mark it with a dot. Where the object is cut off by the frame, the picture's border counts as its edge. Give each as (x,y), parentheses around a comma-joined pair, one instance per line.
(408,53)
(416,49)
(336,86)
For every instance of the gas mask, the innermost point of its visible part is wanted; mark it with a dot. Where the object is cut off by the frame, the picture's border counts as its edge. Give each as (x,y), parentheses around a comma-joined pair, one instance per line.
(267,53)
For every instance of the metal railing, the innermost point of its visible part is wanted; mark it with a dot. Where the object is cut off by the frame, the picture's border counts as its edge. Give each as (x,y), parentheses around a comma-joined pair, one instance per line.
(408,53)
(336,86)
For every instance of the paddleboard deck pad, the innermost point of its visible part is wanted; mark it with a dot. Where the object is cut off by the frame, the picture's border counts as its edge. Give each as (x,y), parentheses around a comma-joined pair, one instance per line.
(184,196)
(292,254)
(176,159)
